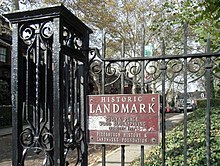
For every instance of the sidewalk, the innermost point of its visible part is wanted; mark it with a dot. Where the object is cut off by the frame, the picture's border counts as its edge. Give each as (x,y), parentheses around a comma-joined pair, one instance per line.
(5,131)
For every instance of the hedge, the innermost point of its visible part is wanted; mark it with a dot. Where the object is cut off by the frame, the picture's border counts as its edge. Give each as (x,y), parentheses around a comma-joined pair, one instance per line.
(5,116)
(196,142)
(203,103)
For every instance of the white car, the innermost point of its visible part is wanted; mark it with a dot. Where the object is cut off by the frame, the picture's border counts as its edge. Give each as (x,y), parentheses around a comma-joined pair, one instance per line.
(190,105)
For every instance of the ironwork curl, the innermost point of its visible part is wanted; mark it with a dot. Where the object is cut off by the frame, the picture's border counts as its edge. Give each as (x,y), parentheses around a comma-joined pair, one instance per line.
(174,67)
(26,138)
(46,140)
(71,39)
(113,71)
(151,71)
(196,69)
(72,140)
(196,64)
(216,67)
(96,67)
(47,30)
(29,140)
(27,33)
(134,68)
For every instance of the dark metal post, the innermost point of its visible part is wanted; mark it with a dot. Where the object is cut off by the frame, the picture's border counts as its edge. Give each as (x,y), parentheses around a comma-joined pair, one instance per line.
(163,71)
(142,81)
(208,109)
(122,92)
(103,89)
(17,97)
(45,42)
(58,94)
(84,88)
(185,94)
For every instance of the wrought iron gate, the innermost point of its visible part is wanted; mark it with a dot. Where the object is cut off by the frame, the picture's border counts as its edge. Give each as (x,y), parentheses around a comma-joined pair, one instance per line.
(50,75)
(138,74)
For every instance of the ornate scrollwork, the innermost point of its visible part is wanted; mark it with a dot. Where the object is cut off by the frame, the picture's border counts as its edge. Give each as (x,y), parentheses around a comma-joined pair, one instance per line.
(216,67)
(46,140)
(26,138)
(28,32)
(151,71)
(133,68)
(46,30)
(96,67)
(196,69)
(174,68)
(42,142)
(112,70)
(73,137)
(71,40)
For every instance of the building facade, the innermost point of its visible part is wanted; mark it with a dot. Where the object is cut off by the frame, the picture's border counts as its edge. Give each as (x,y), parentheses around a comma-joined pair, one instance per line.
(5,50)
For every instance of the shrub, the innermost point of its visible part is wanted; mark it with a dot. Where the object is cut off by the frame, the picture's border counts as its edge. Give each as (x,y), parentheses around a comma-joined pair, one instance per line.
(196,142)
(5,116)
(203,103)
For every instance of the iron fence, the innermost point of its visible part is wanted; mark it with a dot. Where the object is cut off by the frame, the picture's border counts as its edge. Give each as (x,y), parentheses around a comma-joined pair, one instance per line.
(175,74)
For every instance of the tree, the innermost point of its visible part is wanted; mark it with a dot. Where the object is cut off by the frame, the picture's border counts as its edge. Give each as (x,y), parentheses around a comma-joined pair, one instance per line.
(202,18)
(12,5)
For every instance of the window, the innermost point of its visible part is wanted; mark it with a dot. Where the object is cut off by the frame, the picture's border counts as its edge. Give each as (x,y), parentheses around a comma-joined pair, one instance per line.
(3,54)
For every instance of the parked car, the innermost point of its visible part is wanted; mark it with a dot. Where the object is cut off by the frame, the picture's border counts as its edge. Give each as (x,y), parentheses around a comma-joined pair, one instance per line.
(190,105)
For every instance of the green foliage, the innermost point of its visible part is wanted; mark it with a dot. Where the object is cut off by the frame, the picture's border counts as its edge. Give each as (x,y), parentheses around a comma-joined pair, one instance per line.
(196,142)
(202,18)
(5,116)
(203,103)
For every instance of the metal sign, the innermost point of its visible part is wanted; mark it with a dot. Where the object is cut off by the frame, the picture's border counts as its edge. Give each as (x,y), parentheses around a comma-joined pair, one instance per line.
(124,119)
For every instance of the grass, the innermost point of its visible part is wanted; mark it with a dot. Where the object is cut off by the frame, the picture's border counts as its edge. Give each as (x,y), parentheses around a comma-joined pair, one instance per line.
(196,142)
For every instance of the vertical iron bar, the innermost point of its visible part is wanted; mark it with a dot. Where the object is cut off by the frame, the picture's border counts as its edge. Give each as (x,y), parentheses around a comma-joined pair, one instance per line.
(122,155)
(27,88)
(123,65)
(163,105)
(185,93)
(46,110)
(85,93)
(103,89)
(49,89)
(57,94)
(122,92)
(142,80)
(71,95)
(37,69)
(45,84)
(208,109)
(83,114)
(16,96)
(66,91)
(75,82)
